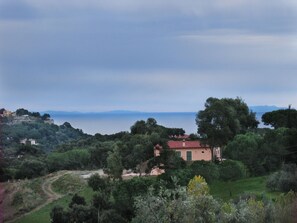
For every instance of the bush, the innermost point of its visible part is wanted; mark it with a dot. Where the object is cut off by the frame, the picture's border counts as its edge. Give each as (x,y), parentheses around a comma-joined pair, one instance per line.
(208,170)
(232,170)
(283,180)
(96,182)
(30,169)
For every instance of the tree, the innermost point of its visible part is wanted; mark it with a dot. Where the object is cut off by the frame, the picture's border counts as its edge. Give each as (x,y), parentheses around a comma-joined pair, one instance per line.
(222,119)
(139,128)
(31,168)
(77,200)
(21,111)
(114,163)
(246,148)
(232,170)
(58,215)
(281,118)
(151,124)
(96,182)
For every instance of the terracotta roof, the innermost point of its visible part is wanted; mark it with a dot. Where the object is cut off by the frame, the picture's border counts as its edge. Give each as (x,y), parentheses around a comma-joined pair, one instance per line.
(185,144)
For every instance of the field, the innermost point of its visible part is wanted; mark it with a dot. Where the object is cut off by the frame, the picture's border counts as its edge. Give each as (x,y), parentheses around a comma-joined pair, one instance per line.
(232,189)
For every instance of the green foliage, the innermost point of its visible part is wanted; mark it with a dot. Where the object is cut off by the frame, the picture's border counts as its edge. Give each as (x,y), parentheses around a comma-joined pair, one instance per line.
(138,149)
(284,180)
(222,119)
(198,186)
(99,153)
(31,169)
(285,207)
(184,174)
(208,170)
(141,127)
(174,206)
(58,215)
(77,200)
(17,199)
(21,111)
(232,170)
(68,183)
(114,164)
(70,160)
(281,118)
(126,191)
(97,183)
(101,201)
(261,154)
(227,190)
(48,136)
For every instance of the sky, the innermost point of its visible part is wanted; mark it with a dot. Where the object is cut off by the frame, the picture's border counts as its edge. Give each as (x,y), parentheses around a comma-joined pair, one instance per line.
(157,55)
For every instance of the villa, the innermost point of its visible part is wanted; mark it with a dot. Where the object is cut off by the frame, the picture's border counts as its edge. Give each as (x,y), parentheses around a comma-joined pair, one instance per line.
(190,150)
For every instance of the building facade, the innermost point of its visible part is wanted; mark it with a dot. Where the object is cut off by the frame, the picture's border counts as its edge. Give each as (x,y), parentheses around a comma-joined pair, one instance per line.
(190,150)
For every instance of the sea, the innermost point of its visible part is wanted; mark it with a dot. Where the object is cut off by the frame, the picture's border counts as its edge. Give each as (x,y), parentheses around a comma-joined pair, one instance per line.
(113,122)
(110,123)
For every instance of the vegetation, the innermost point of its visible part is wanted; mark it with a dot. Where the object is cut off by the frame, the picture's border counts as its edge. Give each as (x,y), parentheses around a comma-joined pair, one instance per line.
(68,183)
(284,180)
(281,118)
(223,119)
(221,191)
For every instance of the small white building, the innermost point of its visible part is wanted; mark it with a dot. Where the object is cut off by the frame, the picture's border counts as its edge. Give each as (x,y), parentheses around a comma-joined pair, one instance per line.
(31,142)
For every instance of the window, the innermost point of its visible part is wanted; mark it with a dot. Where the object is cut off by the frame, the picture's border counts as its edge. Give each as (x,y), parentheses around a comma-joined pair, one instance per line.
(189,155)
(202,151)
(178,153)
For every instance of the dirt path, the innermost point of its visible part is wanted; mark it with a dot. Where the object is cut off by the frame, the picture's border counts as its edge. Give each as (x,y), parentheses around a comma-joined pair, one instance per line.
(47,189)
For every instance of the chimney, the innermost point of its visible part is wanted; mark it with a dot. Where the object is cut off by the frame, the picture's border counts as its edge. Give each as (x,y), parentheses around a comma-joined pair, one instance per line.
(184,143)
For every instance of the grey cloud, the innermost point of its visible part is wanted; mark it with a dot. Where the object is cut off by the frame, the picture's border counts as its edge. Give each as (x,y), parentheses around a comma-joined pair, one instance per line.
(146,55)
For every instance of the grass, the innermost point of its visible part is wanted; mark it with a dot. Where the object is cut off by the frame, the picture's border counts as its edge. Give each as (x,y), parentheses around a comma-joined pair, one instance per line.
(43,215)
(68,185)
(29,195)
(232,189)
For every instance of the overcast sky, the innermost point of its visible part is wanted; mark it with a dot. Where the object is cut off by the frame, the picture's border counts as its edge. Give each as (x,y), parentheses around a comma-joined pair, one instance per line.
(156,55)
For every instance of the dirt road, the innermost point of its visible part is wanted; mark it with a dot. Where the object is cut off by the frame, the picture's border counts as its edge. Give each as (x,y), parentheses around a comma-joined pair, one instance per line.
(47,189)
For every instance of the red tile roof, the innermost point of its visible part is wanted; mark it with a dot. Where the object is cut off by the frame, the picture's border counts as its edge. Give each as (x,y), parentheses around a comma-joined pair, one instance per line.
(185,144)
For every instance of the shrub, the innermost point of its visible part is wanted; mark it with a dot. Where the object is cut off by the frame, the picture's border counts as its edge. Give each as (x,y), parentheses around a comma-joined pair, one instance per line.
(30,169)
(232,170)
(198,186)
(208,170)
(96,182)
(283,180)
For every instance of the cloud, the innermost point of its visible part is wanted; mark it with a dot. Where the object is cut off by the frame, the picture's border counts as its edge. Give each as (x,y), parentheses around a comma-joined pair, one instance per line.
(145,55)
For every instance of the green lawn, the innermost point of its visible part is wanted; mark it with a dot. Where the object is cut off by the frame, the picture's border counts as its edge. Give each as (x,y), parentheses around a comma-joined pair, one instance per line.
(232,189)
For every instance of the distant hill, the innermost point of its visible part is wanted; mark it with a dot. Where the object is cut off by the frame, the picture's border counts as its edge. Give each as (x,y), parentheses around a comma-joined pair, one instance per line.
(23,125)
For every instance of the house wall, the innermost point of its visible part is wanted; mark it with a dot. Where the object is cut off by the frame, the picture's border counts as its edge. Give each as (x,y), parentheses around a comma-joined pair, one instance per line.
(197,154)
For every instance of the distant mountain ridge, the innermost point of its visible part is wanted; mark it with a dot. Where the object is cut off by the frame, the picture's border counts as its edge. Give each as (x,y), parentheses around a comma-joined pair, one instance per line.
(265,108)
(258,109)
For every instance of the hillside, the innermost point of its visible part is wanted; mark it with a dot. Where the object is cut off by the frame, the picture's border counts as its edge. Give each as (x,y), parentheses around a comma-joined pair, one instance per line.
(20,126)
